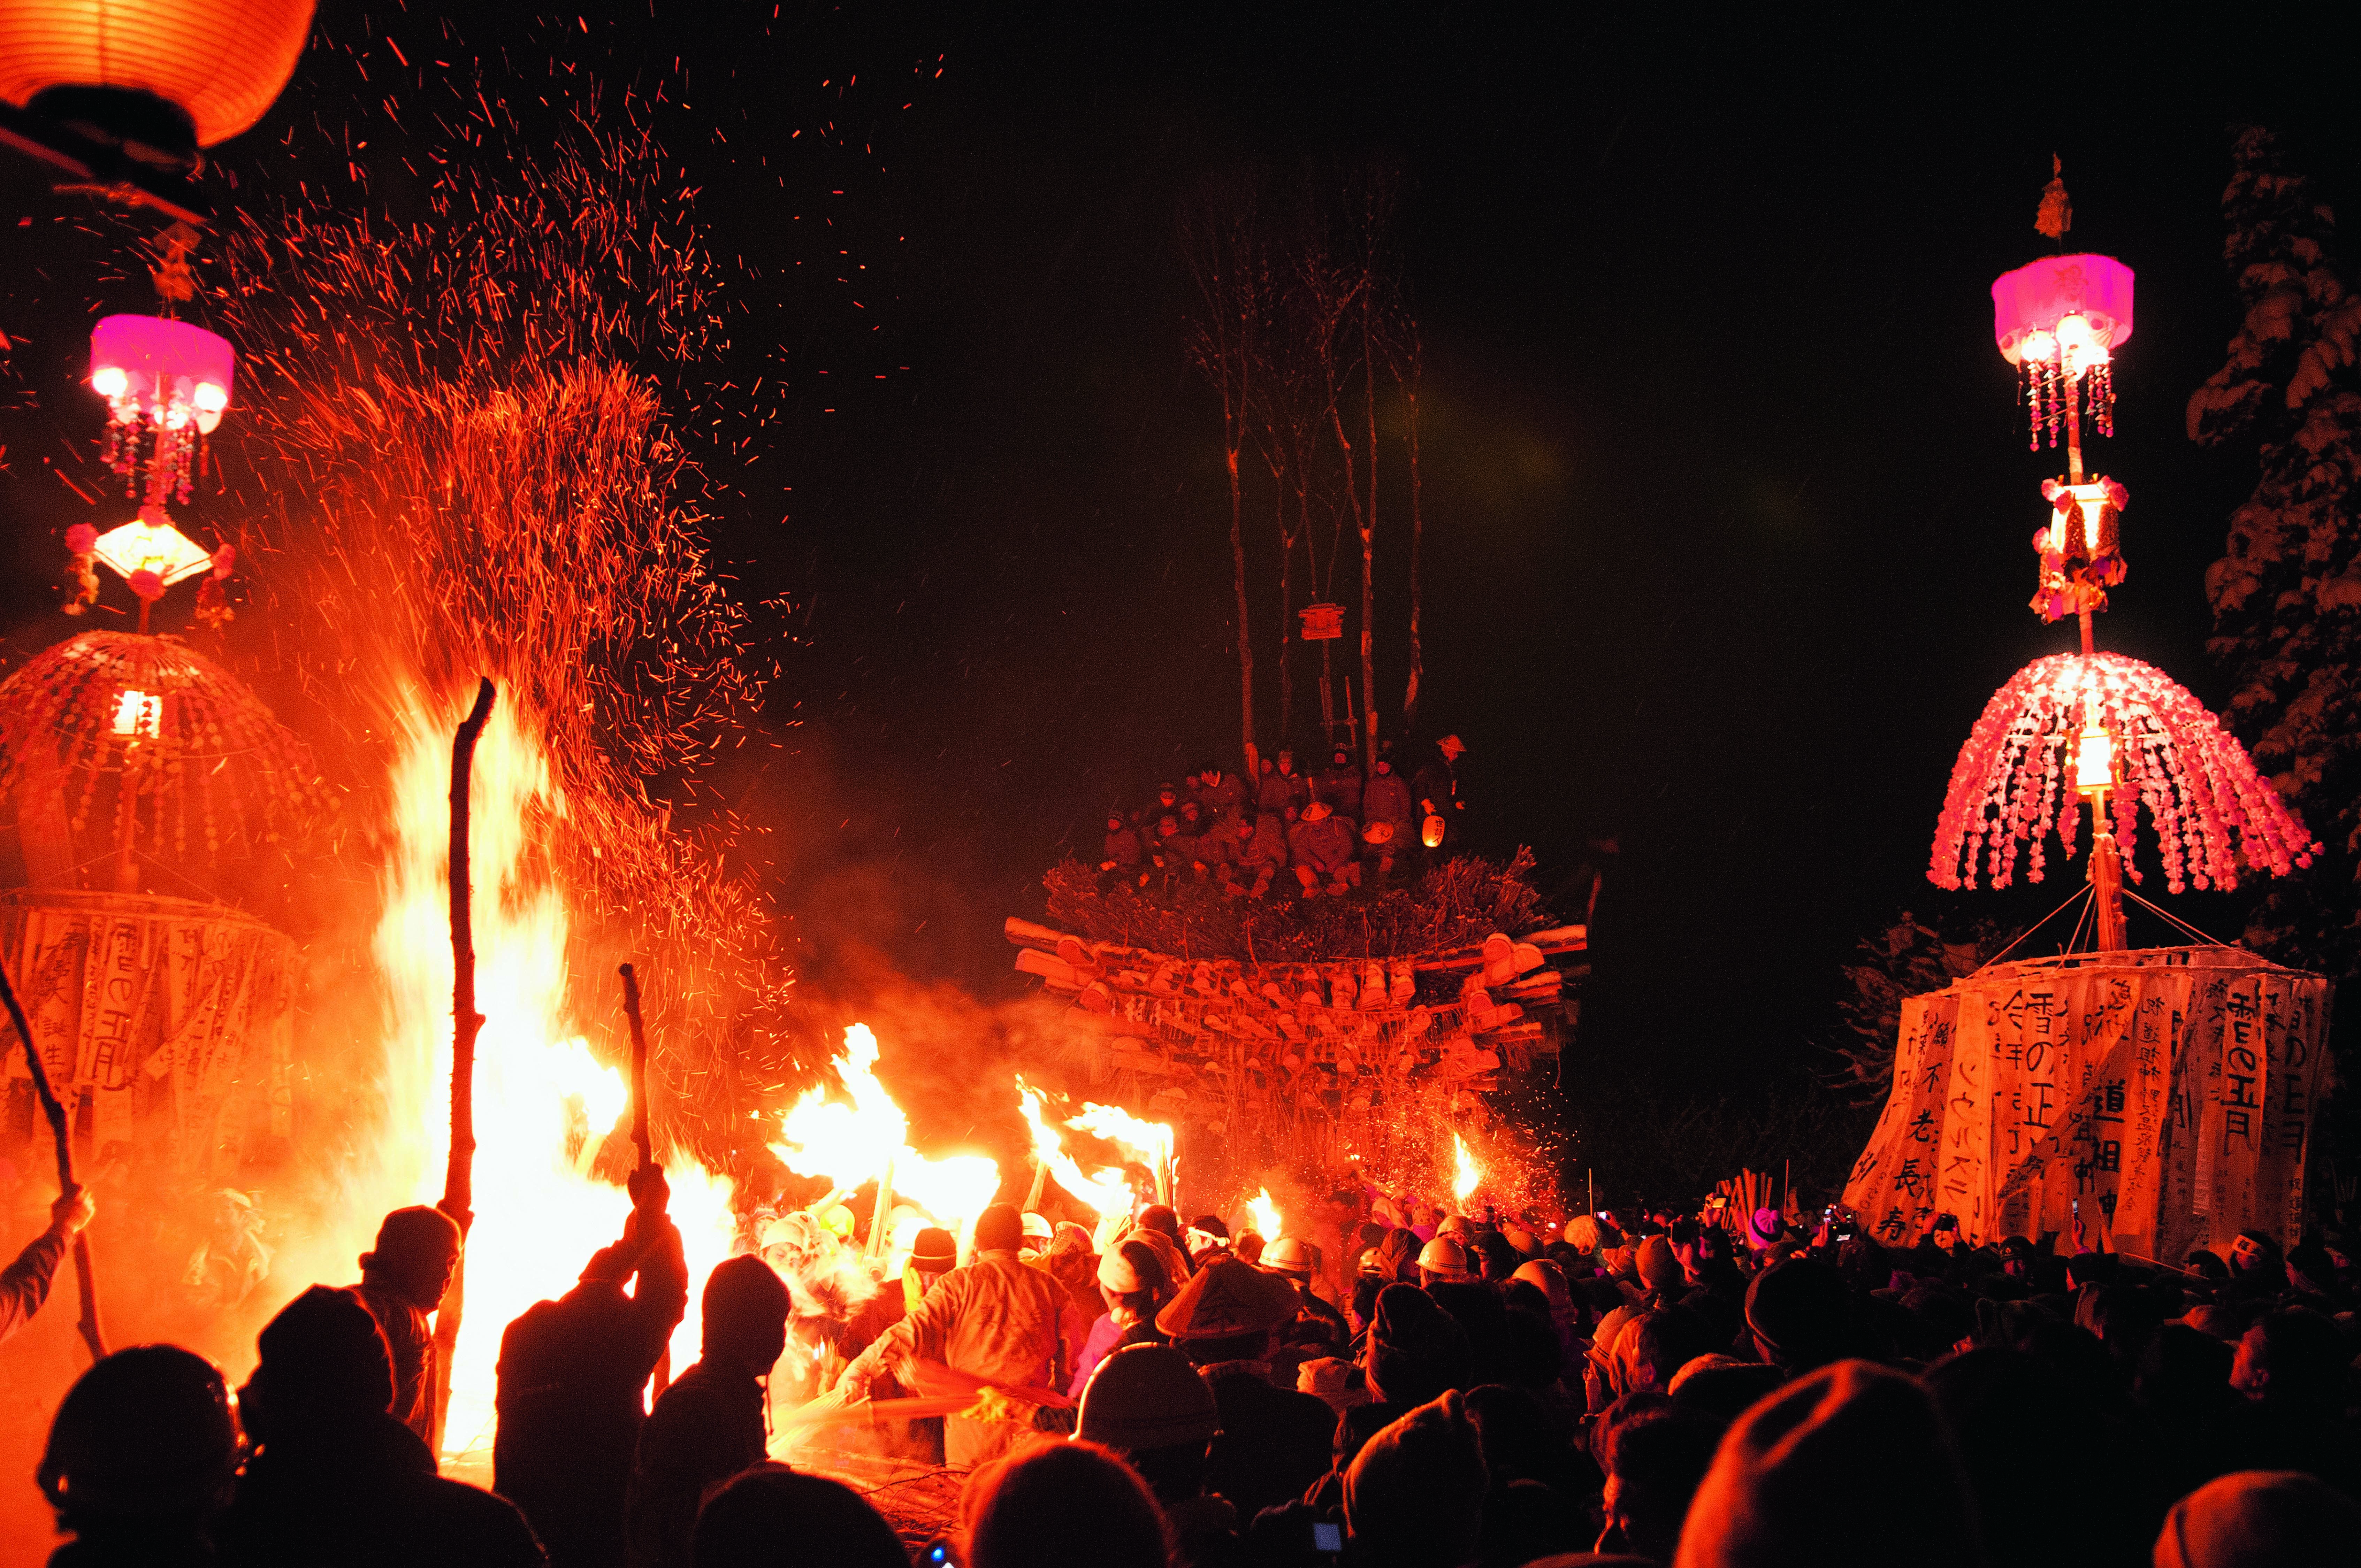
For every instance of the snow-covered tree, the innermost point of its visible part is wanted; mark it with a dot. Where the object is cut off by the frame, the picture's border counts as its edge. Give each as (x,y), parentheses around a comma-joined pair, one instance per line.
(2287,595)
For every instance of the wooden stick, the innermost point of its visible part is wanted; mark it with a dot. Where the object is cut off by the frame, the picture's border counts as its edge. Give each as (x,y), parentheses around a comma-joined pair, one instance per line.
(63,1135)
(662,1374)
(639,1066)
(458,1176)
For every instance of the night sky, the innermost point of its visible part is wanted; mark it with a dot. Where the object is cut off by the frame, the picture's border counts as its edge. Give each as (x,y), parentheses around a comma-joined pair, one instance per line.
(1727,494)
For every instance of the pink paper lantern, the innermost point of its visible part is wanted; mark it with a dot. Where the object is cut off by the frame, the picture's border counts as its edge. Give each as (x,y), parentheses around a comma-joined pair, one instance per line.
(162,380)
(2015,780)
(2061,320)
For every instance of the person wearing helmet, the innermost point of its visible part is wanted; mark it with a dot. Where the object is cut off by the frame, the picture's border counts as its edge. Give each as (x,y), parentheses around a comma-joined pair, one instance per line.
(140,1458)
(403,1280)
(1339,783)
(709,1423)
(573,1375)
(1321,848)
(1148,1404)
(331,1478)
(1298,1262)
(996,1320)
(1443,1262)
(25,1284)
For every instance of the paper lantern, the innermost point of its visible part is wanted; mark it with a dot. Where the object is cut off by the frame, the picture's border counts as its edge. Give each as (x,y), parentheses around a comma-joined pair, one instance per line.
(216,63)
(2109,725)
(1322,622)
(2060,320)
(166,383)
(2081,549)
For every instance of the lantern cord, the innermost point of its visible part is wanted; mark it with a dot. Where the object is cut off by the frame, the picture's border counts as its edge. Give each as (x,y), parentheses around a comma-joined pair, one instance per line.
(2082,891)
(2081,920)
(2175,921)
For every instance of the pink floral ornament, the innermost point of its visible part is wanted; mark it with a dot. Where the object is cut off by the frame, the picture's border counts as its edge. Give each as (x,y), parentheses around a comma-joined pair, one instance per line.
(2211,811)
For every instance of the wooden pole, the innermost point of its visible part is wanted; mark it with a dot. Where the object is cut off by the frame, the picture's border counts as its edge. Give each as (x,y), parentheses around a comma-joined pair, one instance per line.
(458,1175)
(639,1139)
(84,1279)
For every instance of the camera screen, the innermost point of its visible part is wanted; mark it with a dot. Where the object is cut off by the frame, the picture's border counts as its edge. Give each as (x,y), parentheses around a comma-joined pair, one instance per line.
(1327,1538)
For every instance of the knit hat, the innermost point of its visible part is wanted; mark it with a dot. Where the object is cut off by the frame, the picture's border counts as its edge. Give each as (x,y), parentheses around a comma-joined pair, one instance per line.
(1228,1297)
(1415,1350)
(1415,1492)
(1798,1310)
(1764,1228)
(1788,1484)
(1147,1396)
(1659,1268)
(934,1252)
(2259,1519)
(1000,1228)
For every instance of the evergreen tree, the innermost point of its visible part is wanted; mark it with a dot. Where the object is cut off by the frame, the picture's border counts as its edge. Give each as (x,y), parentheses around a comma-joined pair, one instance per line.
(2287,596)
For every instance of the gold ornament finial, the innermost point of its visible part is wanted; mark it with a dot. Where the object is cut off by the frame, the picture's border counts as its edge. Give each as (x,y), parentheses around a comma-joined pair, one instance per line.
(2057,213)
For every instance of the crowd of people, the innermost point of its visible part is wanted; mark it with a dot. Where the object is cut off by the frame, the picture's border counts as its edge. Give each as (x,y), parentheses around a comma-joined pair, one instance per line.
(1310,835)
(1396,1386)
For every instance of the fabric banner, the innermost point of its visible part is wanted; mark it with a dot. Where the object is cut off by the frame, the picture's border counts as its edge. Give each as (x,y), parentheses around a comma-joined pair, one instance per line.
(164,1015)
(2159,1100)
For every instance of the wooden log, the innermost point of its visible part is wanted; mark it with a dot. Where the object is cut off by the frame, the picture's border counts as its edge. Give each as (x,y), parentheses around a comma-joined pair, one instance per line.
(466,1024)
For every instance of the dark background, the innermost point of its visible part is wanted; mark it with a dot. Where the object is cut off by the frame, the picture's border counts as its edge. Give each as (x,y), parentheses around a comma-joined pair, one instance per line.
(1726,489)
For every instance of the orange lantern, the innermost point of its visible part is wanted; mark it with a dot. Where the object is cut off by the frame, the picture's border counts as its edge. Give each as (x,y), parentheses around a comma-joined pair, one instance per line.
(1431,834)
(1322,622)
(161,78)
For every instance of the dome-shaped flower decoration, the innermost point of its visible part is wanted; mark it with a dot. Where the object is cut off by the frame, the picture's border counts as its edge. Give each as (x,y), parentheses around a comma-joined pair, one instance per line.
(2016,778)
(161,740)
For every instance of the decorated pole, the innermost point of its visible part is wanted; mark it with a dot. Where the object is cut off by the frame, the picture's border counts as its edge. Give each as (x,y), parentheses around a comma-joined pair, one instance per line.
(458,1176)
(63,1135)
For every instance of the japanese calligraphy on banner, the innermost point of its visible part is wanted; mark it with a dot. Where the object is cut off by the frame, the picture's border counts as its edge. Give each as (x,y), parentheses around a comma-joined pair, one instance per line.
(168,1018)
(2161,1098)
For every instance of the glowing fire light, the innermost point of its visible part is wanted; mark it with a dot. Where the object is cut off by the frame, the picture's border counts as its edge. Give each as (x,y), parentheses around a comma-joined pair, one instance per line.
(867,1140)
(1149,1143)
(2094,759)
(544,1102)
(1106,1191)
(2162,751)
(1466,1173)
(1267,1217)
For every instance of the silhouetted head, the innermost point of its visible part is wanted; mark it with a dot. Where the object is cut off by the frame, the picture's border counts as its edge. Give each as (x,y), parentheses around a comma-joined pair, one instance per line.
(1000,1228)
(416,1250)
(745,1306)
(771,1517)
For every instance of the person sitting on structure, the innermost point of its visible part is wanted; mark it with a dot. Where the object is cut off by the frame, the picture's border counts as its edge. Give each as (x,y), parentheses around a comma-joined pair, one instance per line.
(403,1280)
(1120,858)
(1165,803)
(26,1284)
(1282,786)
(1262,856)
(1339,785)
(1219,793)
(1387,798)
(1321,848)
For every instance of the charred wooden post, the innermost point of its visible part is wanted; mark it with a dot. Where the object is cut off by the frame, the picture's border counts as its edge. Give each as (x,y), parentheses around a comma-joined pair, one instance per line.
(458,1176)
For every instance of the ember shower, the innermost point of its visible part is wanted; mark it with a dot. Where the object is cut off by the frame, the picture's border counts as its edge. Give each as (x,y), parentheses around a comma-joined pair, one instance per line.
(458,446)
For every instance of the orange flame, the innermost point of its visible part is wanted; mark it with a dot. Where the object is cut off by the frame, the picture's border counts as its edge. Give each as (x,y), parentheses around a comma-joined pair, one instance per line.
(1267,1218)
(543,1103)
(1105,1192)
(1466,1173)
(1149,1143)
(867,1140)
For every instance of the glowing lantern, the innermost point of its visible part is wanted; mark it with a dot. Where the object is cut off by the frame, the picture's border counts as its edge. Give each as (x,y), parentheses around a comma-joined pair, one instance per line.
(1431,833)
(2060,320)
(1322,622)
(166,383)
(2082,547)
(140,716)
(161,78)
(2132,731)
